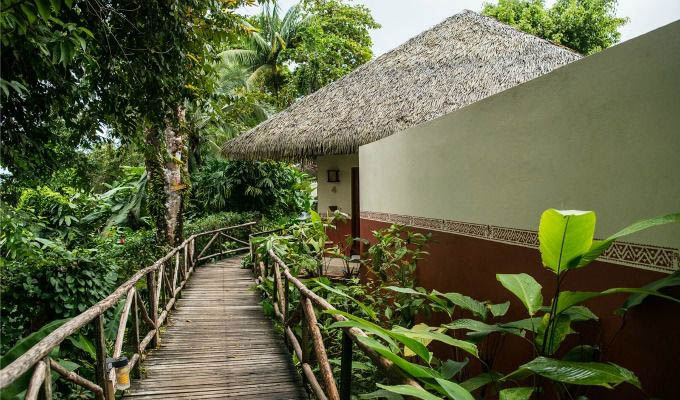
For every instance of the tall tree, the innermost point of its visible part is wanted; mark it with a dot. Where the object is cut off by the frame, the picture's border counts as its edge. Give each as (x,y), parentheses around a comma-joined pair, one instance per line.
(265,40)
(586,26)
(334,41)
(122,66)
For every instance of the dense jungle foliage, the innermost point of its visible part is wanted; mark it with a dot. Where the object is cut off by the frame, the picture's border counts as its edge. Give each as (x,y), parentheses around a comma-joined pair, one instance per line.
(114,115)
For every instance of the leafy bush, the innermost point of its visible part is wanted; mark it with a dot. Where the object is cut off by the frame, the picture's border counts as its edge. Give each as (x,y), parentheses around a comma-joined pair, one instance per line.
(69,214)
(566,245)
(271,188)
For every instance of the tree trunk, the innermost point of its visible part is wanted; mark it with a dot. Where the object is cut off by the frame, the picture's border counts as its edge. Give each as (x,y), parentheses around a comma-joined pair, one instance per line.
(166,163)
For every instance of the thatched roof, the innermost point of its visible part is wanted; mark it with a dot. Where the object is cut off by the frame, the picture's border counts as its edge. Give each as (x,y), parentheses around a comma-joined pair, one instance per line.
(465,58)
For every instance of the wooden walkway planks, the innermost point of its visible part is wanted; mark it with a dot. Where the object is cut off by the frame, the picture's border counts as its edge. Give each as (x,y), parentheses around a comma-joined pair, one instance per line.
(218,344)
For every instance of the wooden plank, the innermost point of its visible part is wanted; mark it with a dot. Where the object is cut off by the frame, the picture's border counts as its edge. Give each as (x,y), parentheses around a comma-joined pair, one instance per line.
(217,343)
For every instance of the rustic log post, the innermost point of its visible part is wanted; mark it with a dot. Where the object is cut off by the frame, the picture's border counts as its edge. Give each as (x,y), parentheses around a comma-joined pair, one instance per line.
(275,294)
(186,261)
(47,384)
(36,381)
(346,367)
(100,345)
(136,372)
(153,306)
(320,351)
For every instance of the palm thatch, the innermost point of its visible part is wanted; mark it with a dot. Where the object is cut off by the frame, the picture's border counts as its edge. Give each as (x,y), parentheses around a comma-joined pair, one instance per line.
(464,59)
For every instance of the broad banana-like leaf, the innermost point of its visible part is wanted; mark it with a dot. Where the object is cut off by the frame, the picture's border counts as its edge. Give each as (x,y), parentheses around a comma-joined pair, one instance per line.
(381,394)
(525,287)
(408,390)
(583,353)
(564,236)
(453,390)
(20,348)
(361,305)
(422,333)
(568,299)
(600,246)
(560,329)
(414,370)
(520,393)
(432,296)
(480,329)
(450,368)
(412,344)
(480,380)
(465,302)
(581,373)
(498,310)
(637,298)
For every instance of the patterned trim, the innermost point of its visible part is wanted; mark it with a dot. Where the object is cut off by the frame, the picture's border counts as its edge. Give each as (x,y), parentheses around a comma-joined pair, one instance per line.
(655,258)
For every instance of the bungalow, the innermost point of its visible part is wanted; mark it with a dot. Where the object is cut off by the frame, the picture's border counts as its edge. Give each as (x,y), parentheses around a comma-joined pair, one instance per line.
(464,59)
(471,129)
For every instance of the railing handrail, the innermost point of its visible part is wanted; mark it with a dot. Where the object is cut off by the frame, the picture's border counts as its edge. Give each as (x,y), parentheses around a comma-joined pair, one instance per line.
(41,349)
(281,310)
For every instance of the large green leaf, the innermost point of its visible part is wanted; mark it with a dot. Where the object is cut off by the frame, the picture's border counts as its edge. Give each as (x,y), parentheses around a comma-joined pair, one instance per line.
(409,368)
(415,346)
(520,393)
(581,373)
(526,289)
(637,298)
(564,236)
(498,310)
(408,390)
(453,390)
(381,394)
(600,246)
(432,296)
(426,336)
(19,349)
(480,329)
(568,299)
(450,368)
(560,329)
(465,302)
(361,305)
(480,380)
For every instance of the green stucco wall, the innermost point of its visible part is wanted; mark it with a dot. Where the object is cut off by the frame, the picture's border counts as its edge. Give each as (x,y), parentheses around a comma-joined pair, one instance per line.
(602,134)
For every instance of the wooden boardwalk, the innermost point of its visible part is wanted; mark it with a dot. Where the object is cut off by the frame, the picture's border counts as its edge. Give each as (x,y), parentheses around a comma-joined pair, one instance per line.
(218,344)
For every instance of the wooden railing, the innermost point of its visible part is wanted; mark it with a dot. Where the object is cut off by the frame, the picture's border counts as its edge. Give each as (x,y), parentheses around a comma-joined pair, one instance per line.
(272,265)
(165,280)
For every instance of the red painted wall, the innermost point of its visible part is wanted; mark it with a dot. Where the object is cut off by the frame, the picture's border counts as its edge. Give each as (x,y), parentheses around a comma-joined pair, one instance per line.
(648,344)
(340,233)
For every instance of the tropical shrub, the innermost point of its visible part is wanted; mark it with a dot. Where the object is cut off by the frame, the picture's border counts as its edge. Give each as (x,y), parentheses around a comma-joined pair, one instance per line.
(271,188)
(392,262)
(566,245)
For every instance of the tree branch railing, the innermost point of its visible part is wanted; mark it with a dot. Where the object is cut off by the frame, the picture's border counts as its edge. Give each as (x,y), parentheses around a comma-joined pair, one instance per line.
(165,280)
(284,280)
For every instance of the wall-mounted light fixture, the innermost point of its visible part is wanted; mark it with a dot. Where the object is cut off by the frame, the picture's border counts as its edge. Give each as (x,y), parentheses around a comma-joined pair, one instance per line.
(333,175)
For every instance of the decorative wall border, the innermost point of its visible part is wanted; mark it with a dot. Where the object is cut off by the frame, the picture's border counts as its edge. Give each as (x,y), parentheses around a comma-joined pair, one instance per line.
(655,258)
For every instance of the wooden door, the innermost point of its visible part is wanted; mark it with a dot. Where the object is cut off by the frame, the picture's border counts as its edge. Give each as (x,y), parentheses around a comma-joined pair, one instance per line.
(356,210)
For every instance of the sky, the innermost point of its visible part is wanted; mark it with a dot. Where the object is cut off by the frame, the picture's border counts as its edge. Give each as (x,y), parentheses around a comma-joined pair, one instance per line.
(403,19)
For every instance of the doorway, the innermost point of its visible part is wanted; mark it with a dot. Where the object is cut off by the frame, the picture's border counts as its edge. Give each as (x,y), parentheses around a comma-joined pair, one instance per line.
(356,211)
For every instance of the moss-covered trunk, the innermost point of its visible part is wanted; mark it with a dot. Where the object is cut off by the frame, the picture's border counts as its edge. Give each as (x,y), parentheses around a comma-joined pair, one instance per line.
(166,163)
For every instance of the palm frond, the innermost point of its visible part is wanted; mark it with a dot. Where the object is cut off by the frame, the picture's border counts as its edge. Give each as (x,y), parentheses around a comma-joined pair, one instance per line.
(244,57)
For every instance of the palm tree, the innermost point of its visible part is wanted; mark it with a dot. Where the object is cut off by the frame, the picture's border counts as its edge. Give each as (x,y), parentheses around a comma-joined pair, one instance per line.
(261,53)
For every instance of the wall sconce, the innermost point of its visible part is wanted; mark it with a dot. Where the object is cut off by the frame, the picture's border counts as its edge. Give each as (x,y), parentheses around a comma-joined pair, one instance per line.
(333,175)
